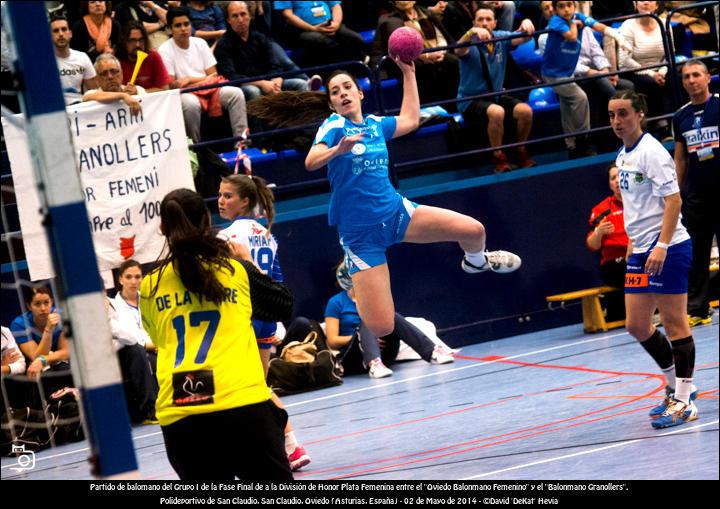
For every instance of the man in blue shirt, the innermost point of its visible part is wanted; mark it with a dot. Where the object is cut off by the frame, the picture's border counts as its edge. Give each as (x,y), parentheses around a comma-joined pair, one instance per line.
(559,62)
(696,160)
(477,78)
(318,28)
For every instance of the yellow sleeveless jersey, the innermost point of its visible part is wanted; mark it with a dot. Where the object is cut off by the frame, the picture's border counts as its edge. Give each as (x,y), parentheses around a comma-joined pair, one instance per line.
(208,357)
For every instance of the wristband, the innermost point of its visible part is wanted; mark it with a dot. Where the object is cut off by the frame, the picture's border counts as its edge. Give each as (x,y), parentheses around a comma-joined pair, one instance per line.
(469,33)
(662,245)
(43,360)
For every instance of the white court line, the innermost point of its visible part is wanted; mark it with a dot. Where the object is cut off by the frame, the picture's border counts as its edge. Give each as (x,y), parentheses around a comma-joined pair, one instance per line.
(446,371)
(372,387)
(78,451)
(534,463)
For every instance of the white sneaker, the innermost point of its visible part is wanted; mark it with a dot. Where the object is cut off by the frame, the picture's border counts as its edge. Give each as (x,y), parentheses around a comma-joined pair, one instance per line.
(441,356)
(378,369)
(501,262)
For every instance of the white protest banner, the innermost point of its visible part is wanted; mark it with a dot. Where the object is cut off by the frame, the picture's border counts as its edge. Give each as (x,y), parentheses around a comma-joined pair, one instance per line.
(127,165)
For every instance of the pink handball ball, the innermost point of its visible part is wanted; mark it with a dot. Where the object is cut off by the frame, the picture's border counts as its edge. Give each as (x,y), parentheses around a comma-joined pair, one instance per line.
(405,43)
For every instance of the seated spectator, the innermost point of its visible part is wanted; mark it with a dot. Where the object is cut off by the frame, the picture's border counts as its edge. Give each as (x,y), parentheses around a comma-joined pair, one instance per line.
(592,61)
(126,303)
(39,335)
(111,89)
(138,381)
(478,77)
(151,14)
(559,63)
(152,76)
(360,350)
(438,72)
(207,21)
(189,62)
(97,32)
(243,53)
(645,47)
(13,361)
(76,70)
(607,235)
(317,27)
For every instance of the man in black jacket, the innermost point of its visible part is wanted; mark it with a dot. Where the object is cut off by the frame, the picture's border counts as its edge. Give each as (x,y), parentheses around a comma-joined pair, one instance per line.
(243,53)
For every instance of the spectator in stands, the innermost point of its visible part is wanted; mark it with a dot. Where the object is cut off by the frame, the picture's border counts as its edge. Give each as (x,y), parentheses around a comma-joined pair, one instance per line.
(243,53)
(478,77)
(438,72)
(592,61)
(97,32)
(505,15)
(459,17)
(318,28)
(645,47)
(559,63)
(153,16)
(207,20)
(152,76)
(696,161)
(39,335)
(362,351)
(111,89)
(189,62)
(139,384)
(13,361)
(126,303)
(76,70)
(607,235)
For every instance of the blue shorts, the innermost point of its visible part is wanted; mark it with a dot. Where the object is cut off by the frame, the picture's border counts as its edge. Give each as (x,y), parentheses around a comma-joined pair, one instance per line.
(674,276)
(365,247)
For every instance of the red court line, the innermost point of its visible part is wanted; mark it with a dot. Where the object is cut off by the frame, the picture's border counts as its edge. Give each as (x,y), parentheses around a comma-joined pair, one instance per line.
(510,434)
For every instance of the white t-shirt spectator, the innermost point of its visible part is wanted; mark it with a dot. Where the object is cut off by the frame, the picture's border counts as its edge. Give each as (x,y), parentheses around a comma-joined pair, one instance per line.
(73,71)
(9,346)
(184,63)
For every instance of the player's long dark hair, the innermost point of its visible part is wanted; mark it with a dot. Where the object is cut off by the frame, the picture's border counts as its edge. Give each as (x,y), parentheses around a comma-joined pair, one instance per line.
(257,192)
(193,247)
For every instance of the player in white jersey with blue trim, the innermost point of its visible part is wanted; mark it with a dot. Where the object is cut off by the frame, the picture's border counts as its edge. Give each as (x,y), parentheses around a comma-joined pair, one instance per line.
(240,198)
(659,256)
(369,214)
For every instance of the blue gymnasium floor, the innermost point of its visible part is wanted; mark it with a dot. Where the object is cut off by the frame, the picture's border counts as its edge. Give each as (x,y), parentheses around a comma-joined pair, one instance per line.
(558,404)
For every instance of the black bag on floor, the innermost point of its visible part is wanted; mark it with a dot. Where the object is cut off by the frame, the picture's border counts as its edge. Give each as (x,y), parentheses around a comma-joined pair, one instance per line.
(303,368)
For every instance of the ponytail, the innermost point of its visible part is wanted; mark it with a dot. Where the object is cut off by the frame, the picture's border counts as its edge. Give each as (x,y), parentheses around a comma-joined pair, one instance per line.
(193,247)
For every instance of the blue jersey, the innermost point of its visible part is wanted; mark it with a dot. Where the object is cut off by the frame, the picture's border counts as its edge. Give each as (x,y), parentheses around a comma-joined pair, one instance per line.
(696,127)
(362,195)
(472,78)
(313,13)
(25,322)
(561,56)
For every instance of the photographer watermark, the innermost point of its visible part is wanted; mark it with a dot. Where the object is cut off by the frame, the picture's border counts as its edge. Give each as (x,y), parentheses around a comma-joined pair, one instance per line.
(25,459)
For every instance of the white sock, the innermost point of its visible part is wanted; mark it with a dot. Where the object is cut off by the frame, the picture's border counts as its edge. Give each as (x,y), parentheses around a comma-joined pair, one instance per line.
(683,390)
(670,376)
(478,259)
(290,442)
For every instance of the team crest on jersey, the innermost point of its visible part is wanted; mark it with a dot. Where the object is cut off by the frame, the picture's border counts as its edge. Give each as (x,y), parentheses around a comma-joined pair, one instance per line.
(358,149)
(639,179)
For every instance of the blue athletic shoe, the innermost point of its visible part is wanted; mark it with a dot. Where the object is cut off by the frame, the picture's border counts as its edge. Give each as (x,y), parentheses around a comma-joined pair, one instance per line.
(677,413)
(669,398)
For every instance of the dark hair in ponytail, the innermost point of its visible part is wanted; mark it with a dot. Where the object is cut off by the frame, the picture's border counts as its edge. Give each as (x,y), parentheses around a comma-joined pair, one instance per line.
(257,192)
(637,101)
(194,249)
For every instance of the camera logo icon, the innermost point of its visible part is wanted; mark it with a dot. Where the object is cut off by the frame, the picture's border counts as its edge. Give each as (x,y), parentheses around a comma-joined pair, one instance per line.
(25,459)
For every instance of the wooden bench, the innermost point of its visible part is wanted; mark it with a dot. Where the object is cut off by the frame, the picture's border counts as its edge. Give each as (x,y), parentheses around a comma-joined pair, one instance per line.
(593,318)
